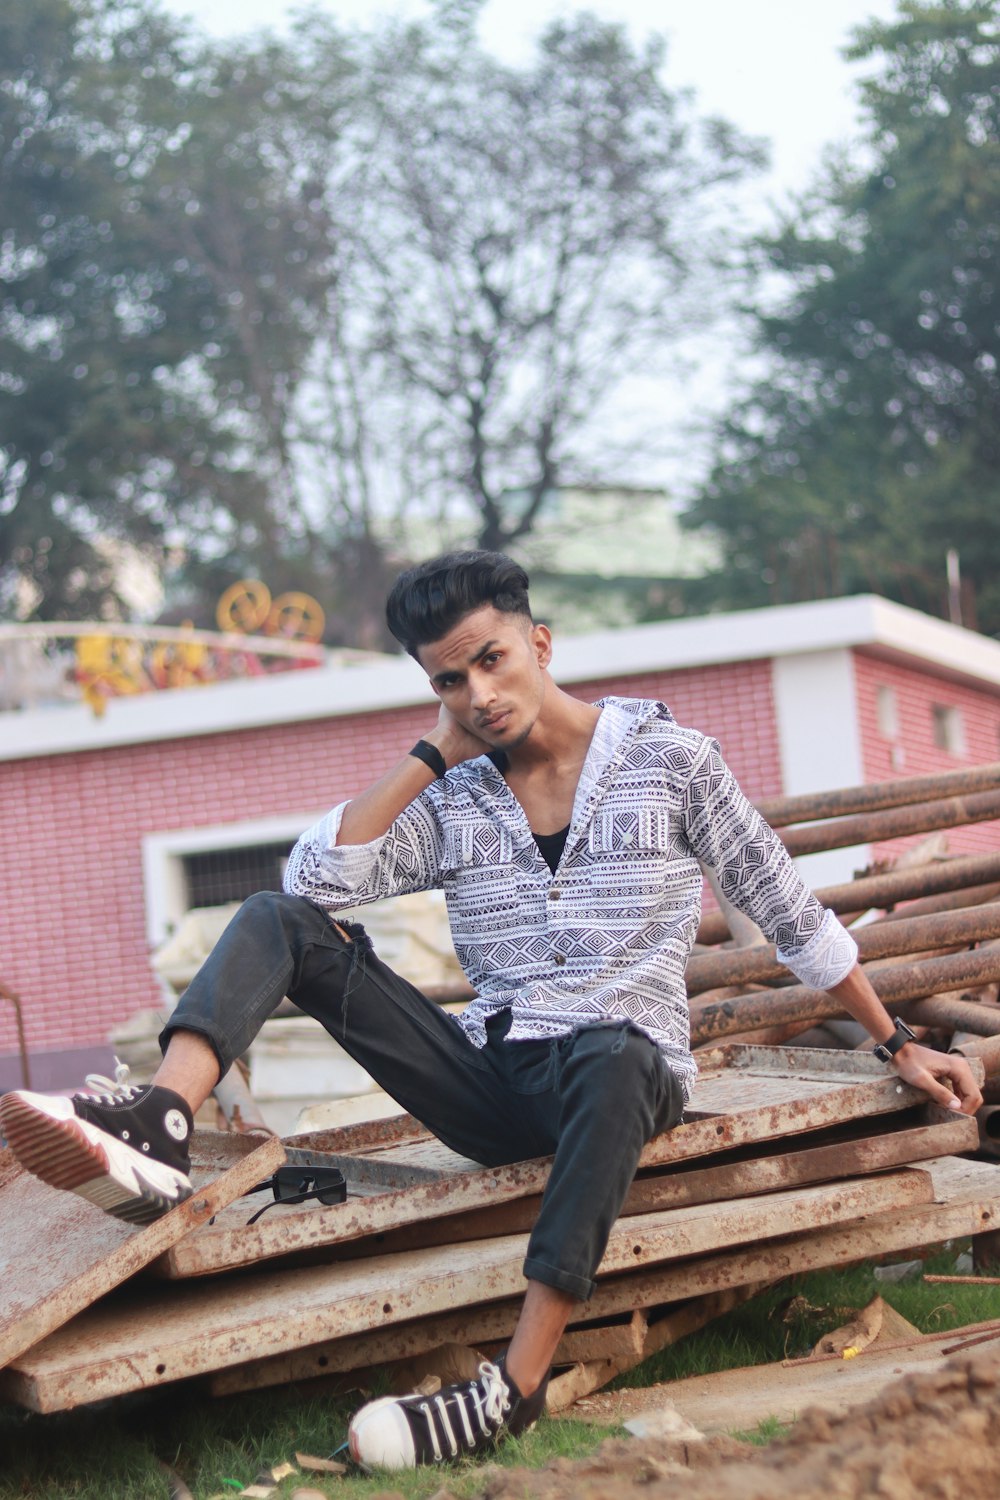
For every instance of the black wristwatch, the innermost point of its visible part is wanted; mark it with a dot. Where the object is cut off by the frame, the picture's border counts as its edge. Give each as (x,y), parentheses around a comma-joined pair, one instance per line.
(886,1051)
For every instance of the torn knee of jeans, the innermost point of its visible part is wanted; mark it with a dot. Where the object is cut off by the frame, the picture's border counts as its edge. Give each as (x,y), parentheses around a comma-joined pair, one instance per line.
(620,1042)
(354,933)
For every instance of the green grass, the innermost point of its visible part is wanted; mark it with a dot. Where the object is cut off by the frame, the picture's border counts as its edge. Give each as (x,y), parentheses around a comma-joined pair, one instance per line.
(113,1452)
(765,1432)
(756,1333)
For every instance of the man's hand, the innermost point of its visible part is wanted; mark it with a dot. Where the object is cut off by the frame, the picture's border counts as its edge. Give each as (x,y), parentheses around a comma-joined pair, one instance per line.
(924,1068)
(454,741)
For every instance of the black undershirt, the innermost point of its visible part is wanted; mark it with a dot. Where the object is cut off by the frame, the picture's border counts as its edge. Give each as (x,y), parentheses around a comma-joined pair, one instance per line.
(551,846)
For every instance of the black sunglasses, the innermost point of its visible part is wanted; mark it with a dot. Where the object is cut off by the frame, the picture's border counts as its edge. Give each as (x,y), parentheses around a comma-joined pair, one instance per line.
(297,1184)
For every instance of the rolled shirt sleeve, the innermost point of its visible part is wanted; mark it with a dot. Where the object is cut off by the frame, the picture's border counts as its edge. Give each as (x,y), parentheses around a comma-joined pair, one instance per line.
(335,876)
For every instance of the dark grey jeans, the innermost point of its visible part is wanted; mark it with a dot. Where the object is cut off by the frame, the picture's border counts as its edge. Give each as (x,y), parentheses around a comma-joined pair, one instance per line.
(592,1099)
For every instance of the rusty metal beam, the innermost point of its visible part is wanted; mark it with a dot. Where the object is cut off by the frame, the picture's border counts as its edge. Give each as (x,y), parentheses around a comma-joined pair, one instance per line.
(950,1013)
(893,982)
(897,822)
(708,971)
(967,1203)
(880,891)
(926,906)
(811,807)
(22,1045)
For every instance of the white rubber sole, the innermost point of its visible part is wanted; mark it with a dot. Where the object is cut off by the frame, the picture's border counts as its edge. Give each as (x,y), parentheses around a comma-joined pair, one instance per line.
(51,1141)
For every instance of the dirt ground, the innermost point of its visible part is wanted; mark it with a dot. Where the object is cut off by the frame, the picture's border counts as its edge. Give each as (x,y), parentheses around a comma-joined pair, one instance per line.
(928,1437)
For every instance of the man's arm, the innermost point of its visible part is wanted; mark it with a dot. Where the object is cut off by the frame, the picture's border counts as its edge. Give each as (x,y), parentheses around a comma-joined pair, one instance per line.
(387,842)
(373,813)
(724,830)
(915,1064)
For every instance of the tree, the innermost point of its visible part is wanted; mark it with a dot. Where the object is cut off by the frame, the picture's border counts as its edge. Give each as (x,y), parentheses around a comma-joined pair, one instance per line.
(873,445)
(526,238)
(279,304)
(158,277)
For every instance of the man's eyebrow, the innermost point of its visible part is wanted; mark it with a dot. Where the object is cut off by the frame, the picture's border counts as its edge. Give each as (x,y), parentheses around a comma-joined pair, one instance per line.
(477,655)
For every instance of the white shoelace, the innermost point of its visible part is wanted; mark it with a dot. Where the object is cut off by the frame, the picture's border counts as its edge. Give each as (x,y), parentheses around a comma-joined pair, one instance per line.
(111,1090)
(489,1412)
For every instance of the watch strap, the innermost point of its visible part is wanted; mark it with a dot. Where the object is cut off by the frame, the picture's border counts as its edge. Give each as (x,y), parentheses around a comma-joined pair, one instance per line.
(886,1051)
(431,757)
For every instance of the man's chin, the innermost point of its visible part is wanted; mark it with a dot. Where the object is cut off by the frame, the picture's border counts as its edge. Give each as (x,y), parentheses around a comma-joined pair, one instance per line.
(513,741)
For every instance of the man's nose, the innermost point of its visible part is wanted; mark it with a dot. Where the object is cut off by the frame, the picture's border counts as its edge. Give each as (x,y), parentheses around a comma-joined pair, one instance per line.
(481,691)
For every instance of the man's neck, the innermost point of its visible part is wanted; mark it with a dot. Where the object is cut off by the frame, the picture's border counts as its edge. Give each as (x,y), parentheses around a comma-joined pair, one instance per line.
(560,737)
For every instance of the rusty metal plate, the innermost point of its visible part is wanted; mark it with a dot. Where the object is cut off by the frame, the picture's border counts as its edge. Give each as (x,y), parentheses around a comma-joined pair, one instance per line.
(175,1332)
(59,1253)
(749,1094)
(967,1202)
(850,1155)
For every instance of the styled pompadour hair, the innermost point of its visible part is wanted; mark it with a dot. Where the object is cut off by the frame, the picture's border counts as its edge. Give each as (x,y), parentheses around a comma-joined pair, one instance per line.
(426,601)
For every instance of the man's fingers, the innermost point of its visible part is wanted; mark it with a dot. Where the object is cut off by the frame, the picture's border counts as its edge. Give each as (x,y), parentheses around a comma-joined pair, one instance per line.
(959,1074)
(946,1078)
(963,1085)
(941,1094)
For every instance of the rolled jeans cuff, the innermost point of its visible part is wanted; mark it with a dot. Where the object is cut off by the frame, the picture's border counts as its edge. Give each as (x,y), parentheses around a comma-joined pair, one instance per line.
(580,1287)
(216,1037)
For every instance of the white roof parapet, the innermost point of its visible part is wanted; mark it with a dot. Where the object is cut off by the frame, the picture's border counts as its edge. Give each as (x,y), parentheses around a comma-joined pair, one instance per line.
(331,692)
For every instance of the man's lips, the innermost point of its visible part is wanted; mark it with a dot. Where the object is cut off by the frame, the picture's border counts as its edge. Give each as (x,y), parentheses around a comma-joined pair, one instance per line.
(496,721)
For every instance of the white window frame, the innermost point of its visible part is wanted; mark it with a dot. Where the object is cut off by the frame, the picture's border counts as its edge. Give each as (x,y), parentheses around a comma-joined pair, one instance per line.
(163,854)
(949,719)
(888,711)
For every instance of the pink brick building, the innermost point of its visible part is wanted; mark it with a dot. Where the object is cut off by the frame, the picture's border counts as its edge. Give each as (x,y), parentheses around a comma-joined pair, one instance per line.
(113,827)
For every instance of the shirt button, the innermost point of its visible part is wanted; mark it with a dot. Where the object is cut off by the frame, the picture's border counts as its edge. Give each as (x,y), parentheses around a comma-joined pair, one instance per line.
(553,894)
(560,959)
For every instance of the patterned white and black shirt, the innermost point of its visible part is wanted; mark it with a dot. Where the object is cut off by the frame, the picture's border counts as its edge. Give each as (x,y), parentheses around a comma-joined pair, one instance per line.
(607,937)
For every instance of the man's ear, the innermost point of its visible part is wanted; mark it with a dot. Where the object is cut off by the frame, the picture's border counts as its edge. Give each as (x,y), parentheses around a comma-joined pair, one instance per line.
(541,639)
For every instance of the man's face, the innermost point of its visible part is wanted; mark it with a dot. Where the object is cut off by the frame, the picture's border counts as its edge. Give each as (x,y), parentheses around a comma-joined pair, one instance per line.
(489,672)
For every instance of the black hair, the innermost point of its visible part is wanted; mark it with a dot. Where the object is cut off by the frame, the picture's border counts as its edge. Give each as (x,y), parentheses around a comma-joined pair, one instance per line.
(426,601)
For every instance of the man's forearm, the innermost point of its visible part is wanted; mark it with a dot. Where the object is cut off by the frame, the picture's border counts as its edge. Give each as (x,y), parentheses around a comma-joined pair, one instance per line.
(373,813)
(856,995)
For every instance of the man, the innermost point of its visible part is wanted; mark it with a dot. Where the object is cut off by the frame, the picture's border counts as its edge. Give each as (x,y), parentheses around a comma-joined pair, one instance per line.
(567,838)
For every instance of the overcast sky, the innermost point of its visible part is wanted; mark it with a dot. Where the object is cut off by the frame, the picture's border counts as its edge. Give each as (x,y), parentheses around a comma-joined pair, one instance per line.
(774,69)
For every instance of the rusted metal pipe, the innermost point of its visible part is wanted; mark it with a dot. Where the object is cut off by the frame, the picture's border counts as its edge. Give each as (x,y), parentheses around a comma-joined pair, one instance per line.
(766,1036)
(892,982)
(898,822)
(706,971)
(987,1050)
(880,891)
(22,1045)
(945,1013)
(988,1120)
(975,895)
(811,807)
(232,1093)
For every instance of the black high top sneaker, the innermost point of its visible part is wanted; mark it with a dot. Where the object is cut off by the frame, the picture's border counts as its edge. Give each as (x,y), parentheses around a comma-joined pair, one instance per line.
(402,1432)
(125,1149)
